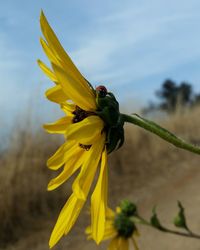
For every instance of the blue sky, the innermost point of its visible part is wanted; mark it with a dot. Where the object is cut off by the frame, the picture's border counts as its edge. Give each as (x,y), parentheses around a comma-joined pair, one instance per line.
(130,46)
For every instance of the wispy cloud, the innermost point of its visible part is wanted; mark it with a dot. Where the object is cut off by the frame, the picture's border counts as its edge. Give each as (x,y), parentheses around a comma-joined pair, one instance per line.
(139,41)
(130,45)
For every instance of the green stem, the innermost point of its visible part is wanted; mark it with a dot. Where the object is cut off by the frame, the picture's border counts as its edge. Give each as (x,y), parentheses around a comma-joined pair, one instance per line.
(137,219)
(190,235)
(140,220)
(161,132)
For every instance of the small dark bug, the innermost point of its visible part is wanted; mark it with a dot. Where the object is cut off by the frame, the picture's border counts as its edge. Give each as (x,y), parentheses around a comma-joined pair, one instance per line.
(101,91)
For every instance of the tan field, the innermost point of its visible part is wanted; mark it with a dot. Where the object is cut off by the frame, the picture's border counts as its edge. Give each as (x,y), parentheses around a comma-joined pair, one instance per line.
(146,170)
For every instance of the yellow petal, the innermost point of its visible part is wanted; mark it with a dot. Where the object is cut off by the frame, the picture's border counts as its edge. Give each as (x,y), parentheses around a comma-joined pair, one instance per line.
(58,50)
(118,210)
(68,107)
(47,71)
(47,50)
(82,184)
(62,155)
(69,169)
(88,231)
(99,202)
(114,244)
(110,214)
(86,131)
(110,231)
(60,126)
(134,243)
(56,94)
(66,219)
(123,244)
(74,90)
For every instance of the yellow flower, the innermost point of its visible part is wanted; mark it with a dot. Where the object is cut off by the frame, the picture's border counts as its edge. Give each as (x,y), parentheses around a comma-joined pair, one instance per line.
(92,128)
(91,119)
(120,229)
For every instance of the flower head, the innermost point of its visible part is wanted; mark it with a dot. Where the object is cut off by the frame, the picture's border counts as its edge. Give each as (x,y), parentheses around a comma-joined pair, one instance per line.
(92,127)
(119,227)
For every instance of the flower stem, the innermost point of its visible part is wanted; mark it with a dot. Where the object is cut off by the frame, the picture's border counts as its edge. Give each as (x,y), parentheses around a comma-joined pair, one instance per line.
(161,132)
(189,234)
(140,220)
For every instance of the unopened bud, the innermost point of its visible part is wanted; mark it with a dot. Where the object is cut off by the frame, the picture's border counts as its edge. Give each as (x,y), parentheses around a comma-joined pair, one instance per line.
(128,208)
(180,220)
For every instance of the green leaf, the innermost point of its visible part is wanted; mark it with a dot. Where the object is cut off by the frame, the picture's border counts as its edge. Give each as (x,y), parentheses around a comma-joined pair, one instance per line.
(180,220)
(161,132)
(155,222)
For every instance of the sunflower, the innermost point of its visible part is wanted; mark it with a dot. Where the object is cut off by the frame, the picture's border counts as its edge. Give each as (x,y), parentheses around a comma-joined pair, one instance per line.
(92,128)
(119,228)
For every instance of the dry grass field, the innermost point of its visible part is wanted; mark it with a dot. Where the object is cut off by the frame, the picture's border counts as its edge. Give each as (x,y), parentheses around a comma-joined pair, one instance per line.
(146,170)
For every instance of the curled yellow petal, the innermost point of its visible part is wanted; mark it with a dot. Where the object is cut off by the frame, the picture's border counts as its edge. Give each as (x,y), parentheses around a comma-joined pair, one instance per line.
(56,94)
(69,169)
(60,126)
(61,155)
(86,131)
(99,202)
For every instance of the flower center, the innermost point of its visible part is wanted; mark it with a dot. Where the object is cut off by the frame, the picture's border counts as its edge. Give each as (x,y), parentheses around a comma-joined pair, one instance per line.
(79,114)
(86,147)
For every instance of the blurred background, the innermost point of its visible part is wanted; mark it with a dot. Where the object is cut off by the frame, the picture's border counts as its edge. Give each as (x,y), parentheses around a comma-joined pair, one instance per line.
(147,53)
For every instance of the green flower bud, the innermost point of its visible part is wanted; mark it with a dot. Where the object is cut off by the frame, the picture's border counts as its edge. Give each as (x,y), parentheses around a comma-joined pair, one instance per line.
(128,208)
(155,222)
(180,220)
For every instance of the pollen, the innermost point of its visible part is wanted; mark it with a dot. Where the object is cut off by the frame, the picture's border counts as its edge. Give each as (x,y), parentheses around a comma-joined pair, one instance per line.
(79,114)
(86,147)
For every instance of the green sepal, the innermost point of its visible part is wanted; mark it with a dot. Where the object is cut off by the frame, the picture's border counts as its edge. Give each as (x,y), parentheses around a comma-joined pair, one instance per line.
(155,222)
(115,138)
(108,109)
(180,220)
(124,226)
(128,208)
